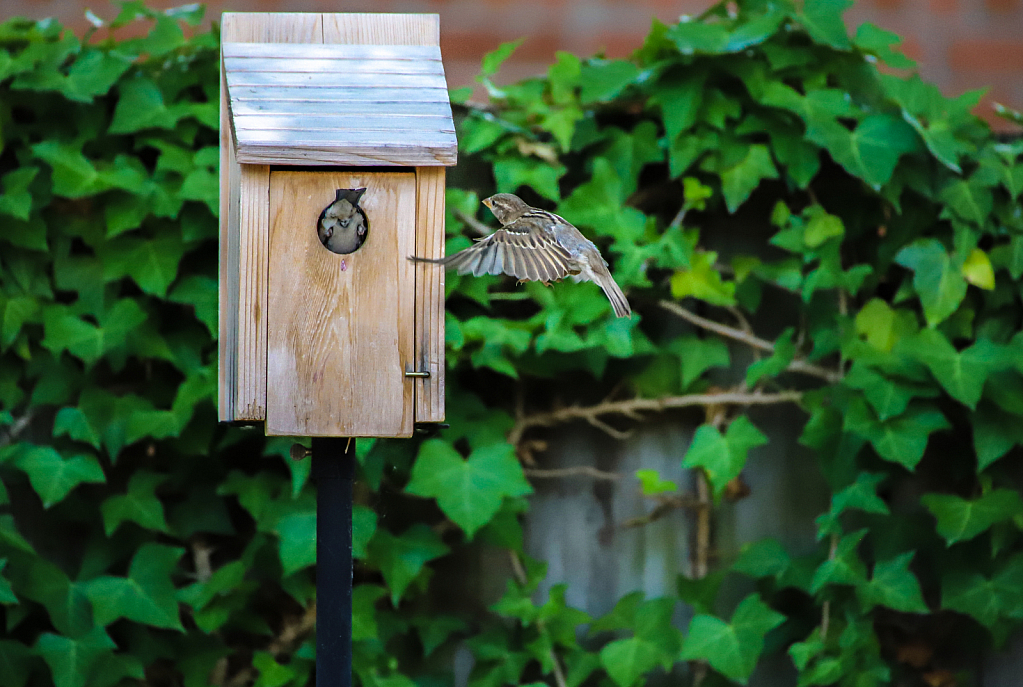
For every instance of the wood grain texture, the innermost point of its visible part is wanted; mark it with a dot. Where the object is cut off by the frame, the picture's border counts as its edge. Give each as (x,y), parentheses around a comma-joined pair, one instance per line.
(241,386)
(370,153)
(382,29)
(339,66)
(376,108)
(376,60)
(430,294)
(341,327)
(356,97)
(333,51)
(271,27)
(253,244)
(227,303)
(413,125)
(330,79)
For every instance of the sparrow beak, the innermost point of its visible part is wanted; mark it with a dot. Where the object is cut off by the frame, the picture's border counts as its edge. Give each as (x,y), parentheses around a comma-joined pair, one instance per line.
(486,201)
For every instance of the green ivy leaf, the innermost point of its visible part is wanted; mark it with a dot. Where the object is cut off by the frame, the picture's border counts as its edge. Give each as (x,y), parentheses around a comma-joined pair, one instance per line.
(493,60)
(845,567)
(71,660)
(893,585)
(701,280)
(651,483)
(469,491)
(823,21)
(139,505)
(962,519)
(739,180)
(961,374)
(145,596)
(151,263)
(53,476)
(872,150)
(995,432)
(141,106)
(763,558)
(602,80)
(901,440)
(364,624)
(778,362)
(860,495)
(401,559)
(722,457)
(936,278)
(626,660)
(542,177)
(733,648)
(16,200)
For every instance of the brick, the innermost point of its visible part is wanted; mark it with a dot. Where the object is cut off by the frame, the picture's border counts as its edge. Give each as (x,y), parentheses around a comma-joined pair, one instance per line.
(474,45)
(1002,6)
(943,6)
(983,55)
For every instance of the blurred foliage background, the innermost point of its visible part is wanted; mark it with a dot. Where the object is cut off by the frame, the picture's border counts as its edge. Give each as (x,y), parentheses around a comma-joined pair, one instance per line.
(755,176)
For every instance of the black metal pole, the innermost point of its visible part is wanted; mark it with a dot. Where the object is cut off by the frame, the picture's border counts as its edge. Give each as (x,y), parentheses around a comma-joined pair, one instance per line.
(333,470)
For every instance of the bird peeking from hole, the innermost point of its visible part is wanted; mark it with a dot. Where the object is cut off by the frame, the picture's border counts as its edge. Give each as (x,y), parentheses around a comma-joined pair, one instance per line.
(342,225)
(535,245)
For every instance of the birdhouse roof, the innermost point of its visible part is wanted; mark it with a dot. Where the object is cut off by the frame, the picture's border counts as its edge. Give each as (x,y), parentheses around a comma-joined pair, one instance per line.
(337,104)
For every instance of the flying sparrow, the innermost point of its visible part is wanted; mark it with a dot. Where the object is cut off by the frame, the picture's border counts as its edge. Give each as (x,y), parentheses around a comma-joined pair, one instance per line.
(342,225)
(535,245)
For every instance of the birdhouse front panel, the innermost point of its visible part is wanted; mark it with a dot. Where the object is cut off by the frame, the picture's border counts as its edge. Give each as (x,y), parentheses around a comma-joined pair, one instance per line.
(341,326)
(325,332)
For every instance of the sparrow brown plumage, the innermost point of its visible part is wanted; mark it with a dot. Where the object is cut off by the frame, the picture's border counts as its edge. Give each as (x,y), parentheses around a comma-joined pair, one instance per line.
(342,225)
(535,245)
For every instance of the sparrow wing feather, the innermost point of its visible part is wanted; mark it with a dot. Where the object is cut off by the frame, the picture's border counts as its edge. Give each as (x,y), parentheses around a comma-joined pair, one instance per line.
(526,249)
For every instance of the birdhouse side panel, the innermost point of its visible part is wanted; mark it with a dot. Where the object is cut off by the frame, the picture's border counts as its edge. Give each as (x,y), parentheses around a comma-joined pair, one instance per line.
(253,247)
(242,377)
(430,294)
(340,327)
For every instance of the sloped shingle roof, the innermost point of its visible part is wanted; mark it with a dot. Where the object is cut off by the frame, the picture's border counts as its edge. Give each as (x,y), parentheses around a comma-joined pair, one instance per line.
(333,104)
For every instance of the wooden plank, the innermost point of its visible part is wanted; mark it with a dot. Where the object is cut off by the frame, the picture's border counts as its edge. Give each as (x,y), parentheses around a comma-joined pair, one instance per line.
(354,137)
(321,80)
(242,108)
(430,294)
(227,314)
(341,327)
(333,51)
(241,394)
(271,27)
(414,125)
(382,29)
(347,93)
(338,67)
(253,243)
(369,154)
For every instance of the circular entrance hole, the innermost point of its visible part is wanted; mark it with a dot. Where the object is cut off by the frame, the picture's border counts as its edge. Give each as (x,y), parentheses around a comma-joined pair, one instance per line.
(342,226)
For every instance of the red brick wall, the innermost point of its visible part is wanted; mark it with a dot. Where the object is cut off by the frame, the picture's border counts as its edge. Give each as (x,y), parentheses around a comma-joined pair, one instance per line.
(960,44)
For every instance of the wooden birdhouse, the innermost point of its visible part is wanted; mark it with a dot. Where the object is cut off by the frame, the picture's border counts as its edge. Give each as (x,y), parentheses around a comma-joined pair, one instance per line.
(315,108)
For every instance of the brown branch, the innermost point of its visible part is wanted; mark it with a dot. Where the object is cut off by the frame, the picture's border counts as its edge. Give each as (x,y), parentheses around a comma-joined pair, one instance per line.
(633,407)
(477,227)
(16,428)
(665,505)
(520,575)
(826,606)
(750,340)
(579,470)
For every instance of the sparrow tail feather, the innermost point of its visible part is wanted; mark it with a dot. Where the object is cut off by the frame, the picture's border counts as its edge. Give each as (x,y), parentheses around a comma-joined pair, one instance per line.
(614,294)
